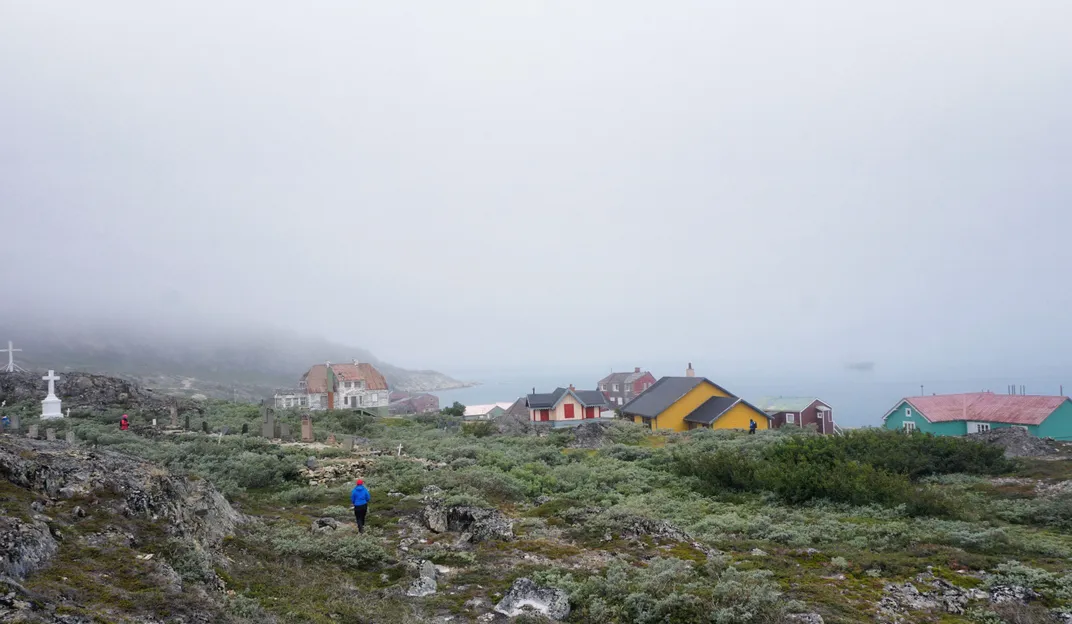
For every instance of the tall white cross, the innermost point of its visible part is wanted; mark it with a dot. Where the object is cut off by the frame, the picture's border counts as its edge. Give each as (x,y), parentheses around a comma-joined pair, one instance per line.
(51,378)
(10,350)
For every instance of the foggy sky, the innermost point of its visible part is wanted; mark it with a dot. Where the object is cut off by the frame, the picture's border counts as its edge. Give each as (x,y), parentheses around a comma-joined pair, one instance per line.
(777,186)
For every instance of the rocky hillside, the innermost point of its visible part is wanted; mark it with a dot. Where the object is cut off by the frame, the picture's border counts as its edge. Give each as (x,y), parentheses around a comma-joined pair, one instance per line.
(89,535)
(85,393)
(247,363)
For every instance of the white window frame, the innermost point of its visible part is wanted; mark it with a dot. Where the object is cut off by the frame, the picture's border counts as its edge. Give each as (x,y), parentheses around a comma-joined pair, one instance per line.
(602,387)
(908,412)
(909,426)
(614,387)
(980,427)
(790,418)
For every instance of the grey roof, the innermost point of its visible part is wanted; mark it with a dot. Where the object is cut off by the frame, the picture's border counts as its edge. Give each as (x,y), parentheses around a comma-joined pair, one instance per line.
(587,398)
(661,395)
(777,405)
(590,398)
(622,378)
(711,409)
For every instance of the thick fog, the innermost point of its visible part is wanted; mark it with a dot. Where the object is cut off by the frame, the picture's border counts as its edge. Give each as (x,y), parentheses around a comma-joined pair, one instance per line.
(788,187)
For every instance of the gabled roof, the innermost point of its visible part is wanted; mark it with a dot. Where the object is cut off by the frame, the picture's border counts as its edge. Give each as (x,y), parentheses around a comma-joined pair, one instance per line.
(364,371)
(587,398)
(662,394)
(1014,409)
(316,378)
(480,410)
(711,409)
(622,378)
(777,405)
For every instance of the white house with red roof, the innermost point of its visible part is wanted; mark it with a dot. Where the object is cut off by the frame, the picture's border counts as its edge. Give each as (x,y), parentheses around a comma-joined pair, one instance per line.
(977,412)
(357,385)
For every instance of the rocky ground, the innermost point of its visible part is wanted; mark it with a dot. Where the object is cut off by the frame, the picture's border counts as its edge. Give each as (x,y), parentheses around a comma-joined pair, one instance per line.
(93,535)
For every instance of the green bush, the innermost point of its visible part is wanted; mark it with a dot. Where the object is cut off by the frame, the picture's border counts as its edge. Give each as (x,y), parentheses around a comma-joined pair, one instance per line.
(860,468)
(672,590)
(349,550)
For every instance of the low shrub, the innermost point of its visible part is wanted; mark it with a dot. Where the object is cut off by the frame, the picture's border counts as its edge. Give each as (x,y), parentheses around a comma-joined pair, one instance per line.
(672,590)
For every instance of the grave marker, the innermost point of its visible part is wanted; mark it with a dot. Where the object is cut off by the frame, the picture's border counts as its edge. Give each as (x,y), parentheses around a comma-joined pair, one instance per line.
(284,431)
(268,423)
(50,407)
(50,435)
(174,417)
(16,423)
(245,428)
(33,435)
(332,441)
(71,439)
(307,428)
(204,426)
(186,423)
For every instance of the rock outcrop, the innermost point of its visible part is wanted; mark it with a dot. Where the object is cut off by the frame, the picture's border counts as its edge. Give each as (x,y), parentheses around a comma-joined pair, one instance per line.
(425,585)
(475,524)
(24,546)
(525,596)
(116,483)
(1016,442)
(87,393)
(590,435)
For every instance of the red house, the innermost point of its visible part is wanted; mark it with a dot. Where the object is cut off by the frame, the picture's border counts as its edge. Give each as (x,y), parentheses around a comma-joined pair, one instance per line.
(620,388)
(798,412)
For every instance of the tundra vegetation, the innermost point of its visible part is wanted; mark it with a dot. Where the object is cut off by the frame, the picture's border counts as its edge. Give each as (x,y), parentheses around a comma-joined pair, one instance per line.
(708,526)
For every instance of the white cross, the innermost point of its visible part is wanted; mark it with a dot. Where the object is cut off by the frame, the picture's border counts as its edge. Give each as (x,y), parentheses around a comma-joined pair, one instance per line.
(400,450)
(10,350)
(51,378)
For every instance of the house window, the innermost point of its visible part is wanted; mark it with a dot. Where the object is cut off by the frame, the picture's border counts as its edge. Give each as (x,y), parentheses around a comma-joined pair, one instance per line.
(647,423)
(619,400)
(545,415)
(981,427)
(614,387)
(568,409)
(375,398)
(303,401)
(790,419)
(909,426)
(908,412)
(602,387)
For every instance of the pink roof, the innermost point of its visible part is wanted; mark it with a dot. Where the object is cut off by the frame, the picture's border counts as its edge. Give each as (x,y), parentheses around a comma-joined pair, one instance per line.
(1014,409)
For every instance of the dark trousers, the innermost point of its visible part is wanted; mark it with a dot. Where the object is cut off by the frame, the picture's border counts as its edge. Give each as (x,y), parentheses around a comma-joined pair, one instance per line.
(359,515)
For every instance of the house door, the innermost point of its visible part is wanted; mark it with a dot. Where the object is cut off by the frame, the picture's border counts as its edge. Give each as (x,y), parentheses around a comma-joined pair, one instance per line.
(545,415)
(568,409)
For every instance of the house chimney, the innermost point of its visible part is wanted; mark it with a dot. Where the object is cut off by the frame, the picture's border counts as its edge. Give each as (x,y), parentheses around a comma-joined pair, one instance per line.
(636,369)
(356,362)
(571,387)
(689,372)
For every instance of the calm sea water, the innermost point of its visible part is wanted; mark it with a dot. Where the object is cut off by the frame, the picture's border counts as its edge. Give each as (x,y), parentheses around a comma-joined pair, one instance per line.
(857,401)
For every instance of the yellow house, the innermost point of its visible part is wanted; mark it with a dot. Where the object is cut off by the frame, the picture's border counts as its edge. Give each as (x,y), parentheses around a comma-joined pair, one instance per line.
(684,403)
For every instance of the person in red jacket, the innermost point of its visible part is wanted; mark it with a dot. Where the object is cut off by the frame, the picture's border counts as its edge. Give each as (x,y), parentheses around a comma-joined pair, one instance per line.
(124,423)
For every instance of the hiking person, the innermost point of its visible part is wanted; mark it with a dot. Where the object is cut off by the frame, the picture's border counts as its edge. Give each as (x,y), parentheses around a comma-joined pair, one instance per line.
(5,422)
(751,426)
(124,423)
(360,497)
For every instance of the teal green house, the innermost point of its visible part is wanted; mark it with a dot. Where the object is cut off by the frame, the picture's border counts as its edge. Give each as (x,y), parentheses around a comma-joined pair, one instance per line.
(978,412)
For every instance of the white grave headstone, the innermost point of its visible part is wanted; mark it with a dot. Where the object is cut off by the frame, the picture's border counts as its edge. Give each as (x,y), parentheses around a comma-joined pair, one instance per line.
(50,407)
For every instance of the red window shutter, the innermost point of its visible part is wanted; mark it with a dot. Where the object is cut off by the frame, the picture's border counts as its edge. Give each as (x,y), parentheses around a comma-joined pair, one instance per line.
(545,414)
(569,410)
